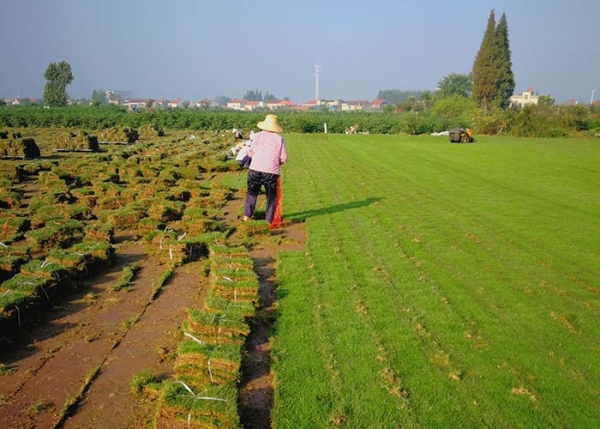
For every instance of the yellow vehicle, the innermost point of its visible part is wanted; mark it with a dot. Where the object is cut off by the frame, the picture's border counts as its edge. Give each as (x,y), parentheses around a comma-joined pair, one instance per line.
(461,135)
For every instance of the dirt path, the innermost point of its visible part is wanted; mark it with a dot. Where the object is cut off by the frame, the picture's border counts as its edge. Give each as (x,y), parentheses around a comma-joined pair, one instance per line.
(93,343)
(112,334)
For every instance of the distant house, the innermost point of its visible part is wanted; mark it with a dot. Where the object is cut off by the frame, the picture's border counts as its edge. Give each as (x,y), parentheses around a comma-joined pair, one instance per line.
(280,105)
(236,104)
(205,103)
(273,104)
(135,104)
(159,103)
(378,104)
(253,105)
(356,105)
(174,103)
(524,98)
(310,105)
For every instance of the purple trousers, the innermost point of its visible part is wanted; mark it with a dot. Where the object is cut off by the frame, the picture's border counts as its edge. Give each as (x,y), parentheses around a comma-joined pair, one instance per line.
(255,181)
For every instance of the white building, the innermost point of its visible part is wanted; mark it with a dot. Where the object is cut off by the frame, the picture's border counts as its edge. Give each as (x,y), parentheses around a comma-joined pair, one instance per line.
(526,97)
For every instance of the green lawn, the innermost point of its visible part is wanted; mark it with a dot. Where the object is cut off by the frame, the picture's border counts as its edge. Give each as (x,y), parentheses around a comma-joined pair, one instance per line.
(443,285)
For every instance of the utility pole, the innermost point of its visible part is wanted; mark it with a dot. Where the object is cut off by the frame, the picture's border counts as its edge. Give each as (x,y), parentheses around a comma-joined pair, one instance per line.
(592,98)
(317,72)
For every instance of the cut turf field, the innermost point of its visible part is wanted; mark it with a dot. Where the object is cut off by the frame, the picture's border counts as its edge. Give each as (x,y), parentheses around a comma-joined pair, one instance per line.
(443,285)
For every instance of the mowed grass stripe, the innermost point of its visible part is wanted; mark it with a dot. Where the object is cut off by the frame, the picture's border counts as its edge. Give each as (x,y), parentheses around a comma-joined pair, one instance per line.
(421,353)
(426,243)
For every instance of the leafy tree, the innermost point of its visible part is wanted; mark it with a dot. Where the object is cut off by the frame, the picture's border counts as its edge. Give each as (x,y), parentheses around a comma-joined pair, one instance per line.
(185,104)
(2,102)
(506,78)
(58,76)
(253,96)
(149,103)
(408,104)
(426,100)
(455,84)
(99,97)
(546,100)
(454,111)
(222,100)
(269,97)
(396,96)
(389,109)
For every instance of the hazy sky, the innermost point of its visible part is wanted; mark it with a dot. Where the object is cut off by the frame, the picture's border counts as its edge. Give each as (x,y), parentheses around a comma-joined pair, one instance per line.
(195,49)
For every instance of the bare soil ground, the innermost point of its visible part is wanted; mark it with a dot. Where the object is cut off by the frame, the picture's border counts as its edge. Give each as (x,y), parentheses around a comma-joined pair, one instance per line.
(88,347)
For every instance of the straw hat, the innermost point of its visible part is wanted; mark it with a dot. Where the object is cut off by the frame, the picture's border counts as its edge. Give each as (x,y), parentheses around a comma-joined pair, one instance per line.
(270,124)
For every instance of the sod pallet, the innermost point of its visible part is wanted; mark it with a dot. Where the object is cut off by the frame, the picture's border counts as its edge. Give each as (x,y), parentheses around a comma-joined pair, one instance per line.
(76,141)
(122,135)
(19,148)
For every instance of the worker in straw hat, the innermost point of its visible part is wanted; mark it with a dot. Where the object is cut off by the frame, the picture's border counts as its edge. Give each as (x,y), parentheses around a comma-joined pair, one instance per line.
(267,153)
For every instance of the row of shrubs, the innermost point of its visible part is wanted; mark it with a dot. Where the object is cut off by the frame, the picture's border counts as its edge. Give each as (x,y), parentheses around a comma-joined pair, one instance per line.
(530,121)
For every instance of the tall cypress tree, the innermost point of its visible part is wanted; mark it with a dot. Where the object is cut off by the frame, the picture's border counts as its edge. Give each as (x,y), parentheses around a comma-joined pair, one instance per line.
(485,70)
(506,79)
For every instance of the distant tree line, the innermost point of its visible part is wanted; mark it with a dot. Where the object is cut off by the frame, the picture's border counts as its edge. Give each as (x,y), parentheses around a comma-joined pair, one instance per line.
(530,121)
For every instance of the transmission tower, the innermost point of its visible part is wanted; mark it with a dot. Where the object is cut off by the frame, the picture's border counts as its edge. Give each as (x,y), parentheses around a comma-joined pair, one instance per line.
(317,71)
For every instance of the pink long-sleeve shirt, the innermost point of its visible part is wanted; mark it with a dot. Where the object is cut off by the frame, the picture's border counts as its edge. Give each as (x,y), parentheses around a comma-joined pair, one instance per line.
(267,152)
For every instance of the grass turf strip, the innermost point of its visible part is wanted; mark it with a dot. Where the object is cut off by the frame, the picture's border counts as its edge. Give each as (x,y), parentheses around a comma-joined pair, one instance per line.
(441,278)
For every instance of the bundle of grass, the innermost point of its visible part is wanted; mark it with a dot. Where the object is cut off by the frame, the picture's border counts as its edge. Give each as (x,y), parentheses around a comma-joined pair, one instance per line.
(226,251)
(56,233)
(147,225)
(202,407)
(44,267)
(230,273)
(84,196)
(241,310)
(216,327)
(19,148)
(253,228)
(78,211)
(10,300)
(166,211)
(10,173)
(34,168)
(150,130)
(168,177)
(10,199)
(188,173)
(11,264)
(76,141)
(73,261)
(22,287)
(101,251)
(236,291)
(118,136)
(178,193)
(226,261)
(107,188)
(99,232)
(12,227)
(183,251)
(220,195)
(126,218)
(208,363)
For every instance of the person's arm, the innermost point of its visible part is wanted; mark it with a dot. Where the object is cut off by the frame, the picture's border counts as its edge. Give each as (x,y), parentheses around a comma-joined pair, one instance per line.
(283,155)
